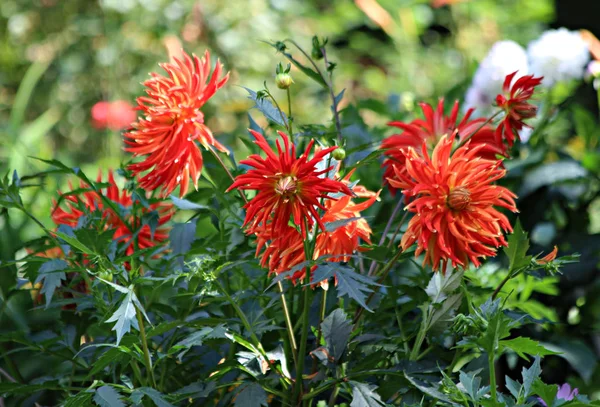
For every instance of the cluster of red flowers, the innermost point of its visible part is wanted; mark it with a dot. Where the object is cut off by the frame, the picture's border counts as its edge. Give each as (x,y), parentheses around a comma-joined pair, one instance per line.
(444,166)
(296,198)
(451,189)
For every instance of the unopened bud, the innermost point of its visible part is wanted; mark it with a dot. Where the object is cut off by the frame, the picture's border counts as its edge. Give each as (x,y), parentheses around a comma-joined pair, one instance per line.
(283,80)
(339,154)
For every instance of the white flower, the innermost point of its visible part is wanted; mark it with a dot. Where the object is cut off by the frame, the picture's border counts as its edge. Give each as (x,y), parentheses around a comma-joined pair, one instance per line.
(504,58)
(558,55)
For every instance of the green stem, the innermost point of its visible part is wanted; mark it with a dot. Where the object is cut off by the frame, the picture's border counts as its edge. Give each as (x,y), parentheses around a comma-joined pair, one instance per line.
(334,395)
(137,373)
(414,354)
(492,368)
(148,360)
(288,323)
(319,331)
(334,103)
(299,384)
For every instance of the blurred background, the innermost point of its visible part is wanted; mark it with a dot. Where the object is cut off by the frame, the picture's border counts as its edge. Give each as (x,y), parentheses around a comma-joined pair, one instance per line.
(58,59)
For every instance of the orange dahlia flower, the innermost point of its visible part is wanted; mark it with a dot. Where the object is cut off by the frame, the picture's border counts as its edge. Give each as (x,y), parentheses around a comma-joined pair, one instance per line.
(453,198)
(287,186)
(124,227)
(345,239)
(516,107)
(172,124)
(430,130)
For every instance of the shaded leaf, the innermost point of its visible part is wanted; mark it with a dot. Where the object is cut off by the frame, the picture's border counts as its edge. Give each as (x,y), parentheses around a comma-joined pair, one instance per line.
(154,395)
(181,237)
(363,395)
(51,277)
(546,392)
(251,395)
(549,174)
(516,251)
(107,396)
(336,330)
(530,376)
(267,109)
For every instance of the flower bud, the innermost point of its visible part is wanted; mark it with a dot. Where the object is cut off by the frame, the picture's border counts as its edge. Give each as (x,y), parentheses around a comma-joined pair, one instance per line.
(339,154)
(283,80)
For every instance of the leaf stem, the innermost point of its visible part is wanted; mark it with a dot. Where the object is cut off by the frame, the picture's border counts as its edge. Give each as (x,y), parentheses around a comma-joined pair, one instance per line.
(334,102)
(299,384)
(319,330)
(216,155)
(492,368)
(147,357)
(386,230)
(288,323)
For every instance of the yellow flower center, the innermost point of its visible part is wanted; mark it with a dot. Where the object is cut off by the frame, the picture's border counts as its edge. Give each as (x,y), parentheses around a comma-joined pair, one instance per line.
(286,186)
(458,199)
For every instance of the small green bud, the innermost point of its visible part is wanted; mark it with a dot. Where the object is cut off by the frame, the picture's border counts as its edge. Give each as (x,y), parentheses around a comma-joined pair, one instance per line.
(283,80)
(106,275)
(339,154)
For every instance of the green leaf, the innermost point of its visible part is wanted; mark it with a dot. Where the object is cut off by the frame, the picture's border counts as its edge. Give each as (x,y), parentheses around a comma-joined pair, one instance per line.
(525,346)
(336,330)
(441,285)
(73,242)
(442,316)
(111,357)
(51,276)
(267,109)
(472,384)
(184,204)
(363,395)
(107,396)
(530,376)
(83,399)
(518,244)
(251,395)
(124,317)
(154,395)
(333,226)
(349,282)
(546,392)
(426,388)
(10,388)
(578,354)
(181,237)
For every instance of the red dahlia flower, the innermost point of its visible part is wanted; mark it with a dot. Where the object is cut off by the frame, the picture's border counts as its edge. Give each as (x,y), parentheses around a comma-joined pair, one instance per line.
(453,197)
(90,201)
(431,129)
(516,107)
(287,186)
(172,124)
(285,249)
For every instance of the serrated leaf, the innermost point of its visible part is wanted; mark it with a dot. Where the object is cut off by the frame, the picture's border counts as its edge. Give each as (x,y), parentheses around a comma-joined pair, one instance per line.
(107,396)
(546,392)
(443,314)
(522,346)
(363,395)
(251,395)
(110,357)
(154,395)
(124,317)
(336,330)
(530,376)
(267,108)
(426,388)
(184,204)
(349,282)
(441,285)
(51,277)
(82,399)
(73,242)
(471,382)
(516,251)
